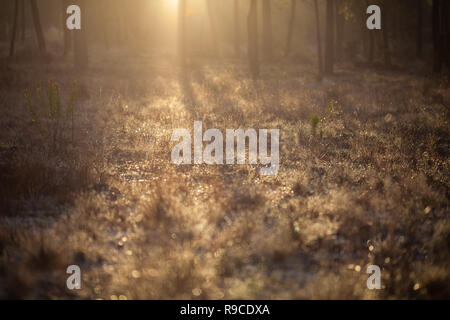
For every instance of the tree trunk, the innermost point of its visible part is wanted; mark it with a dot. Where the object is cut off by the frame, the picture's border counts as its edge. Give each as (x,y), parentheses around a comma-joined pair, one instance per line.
(319,38)
(81,59)
(38,28)
(329,42)
(66,32)
(371,36)
(290,28)
(445,34)
(14,29)
(237,40)
(371,47)
(253,39)
(364,36)
(267,30)
(437,59)
(212,24)
(385,32)
(22,19)
(182,32)
(396,32)
(340,24)
(419,32)
(105,27)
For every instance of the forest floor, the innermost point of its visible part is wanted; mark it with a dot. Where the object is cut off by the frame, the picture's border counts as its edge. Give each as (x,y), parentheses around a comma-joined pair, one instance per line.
(369,186)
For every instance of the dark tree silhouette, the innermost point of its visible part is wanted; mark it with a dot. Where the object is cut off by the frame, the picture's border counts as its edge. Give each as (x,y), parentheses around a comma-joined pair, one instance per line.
(340,24)
(371,49)
(361,16)
(267,29)
(22,19)
(237,39)
(290,28)
(182,32)
(14,28)
(437,44)
(329,40)
(371,40)
(81,58)
(445,33)
(66,32)
(319,38)
(252,23)
(419,31)
(212,25)
(385,32)
(38,28)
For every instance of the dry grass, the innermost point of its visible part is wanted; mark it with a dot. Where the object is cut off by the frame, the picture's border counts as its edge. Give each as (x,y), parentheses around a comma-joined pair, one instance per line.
(369,187)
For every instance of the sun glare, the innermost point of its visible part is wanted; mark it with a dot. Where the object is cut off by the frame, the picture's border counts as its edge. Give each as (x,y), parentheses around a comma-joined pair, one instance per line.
(172,3)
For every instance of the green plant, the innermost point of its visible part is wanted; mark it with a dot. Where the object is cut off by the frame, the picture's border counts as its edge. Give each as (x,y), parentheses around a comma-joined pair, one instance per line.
(314,122)
(334,108)
(49,114)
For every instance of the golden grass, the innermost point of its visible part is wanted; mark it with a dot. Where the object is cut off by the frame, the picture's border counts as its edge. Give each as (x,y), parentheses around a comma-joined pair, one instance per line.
(370,187)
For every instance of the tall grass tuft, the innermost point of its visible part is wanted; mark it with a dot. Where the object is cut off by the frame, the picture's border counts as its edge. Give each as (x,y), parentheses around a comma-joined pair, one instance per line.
(49,114)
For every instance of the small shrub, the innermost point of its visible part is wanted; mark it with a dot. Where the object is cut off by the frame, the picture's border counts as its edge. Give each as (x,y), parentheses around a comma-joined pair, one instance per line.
(334,108)
(314,122)
(49,114)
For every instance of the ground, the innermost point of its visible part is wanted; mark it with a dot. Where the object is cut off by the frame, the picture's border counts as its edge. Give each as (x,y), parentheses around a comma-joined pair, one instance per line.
(367,186)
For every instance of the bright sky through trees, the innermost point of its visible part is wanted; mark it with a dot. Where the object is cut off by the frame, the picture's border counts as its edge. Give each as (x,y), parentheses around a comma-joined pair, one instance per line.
(172,3)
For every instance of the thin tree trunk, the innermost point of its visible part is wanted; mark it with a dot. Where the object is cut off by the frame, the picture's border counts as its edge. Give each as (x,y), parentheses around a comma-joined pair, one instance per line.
(182,32)
(22,19)
(385,32)
(253,39)
(66,32)
(364,36)
(396,32)
(106,29)
(81,58)
(445,34)
(290,28)
(437,60)
(212,24)
(329,43)
(14,29)
(419,32)
(371,47)
(319,38)
(340,24)
(237,40)
(38,28)
(267,30)
(371,36)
